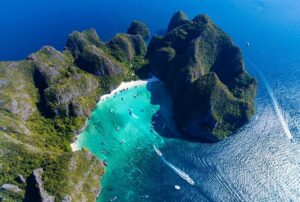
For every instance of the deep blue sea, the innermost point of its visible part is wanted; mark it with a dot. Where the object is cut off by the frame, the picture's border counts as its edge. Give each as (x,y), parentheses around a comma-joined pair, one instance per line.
(260,162)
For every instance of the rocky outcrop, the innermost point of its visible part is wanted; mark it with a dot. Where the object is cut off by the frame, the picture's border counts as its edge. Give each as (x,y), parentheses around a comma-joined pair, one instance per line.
(44,100)
(74,96)
(51,64)
(47,97)
(64,90)
(85,180)
(138,28)
(179,18)
(95,61)
(20,179)
(35,188)
(17,91)
(92,55)
(10,188)
(205,75)
(77,41)
(114,58)
(125,47)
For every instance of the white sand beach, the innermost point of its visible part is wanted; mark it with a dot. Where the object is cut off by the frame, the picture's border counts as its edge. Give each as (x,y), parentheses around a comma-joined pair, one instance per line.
(122,86)
(128,85)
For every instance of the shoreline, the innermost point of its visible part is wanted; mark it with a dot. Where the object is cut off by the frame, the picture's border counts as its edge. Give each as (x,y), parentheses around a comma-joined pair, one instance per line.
(121,87)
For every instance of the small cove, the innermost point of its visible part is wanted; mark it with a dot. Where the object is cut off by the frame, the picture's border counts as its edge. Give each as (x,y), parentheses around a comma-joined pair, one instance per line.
(122,131)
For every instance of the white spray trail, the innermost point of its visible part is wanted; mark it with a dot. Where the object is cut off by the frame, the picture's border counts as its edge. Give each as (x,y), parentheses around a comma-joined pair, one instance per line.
(181,173)
(275,103)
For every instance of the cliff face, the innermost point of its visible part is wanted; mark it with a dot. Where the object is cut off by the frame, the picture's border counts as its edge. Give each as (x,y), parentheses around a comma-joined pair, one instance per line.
(138,28)
(47,97)
(44,100)
(205,75)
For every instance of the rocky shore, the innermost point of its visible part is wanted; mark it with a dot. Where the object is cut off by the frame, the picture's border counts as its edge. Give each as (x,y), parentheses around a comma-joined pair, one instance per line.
(46,98)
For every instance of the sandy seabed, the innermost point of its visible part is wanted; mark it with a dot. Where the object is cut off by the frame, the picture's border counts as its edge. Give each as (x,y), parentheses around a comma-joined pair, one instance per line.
(121,87)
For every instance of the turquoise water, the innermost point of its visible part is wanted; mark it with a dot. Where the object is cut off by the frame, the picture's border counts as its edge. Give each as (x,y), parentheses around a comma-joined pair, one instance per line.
(122,131)
(259,163)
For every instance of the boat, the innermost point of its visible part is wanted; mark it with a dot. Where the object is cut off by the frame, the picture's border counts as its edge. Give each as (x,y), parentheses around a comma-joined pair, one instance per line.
(248,44)
(133,115)
(105,163)
(113,198)
(145,196)
(177,187)
(181,173)
(157,151)
(111,110)
(118,128)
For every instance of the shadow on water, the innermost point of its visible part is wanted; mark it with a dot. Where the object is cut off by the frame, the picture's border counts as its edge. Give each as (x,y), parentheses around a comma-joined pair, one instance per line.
(160,121)
(163,120)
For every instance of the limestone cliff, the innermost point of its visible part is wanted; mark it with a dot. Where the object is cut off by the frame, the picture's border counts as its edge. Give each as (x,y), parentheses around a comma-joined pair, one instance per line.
(44,100)
(138,28)
(205,75)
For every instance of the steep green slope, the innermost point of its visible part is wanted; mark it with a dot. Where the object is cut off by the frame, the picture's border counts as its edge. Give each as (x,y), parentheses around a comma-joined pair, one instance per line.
(185,59)
(138,28)
(44,101)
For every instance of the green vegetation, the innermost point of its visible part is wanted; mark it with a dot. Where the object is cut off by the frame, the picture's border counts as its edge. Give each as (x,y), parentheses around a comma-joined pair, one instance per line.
(47,146)
(205,75)
(138,28)
(46,99)
(179,18)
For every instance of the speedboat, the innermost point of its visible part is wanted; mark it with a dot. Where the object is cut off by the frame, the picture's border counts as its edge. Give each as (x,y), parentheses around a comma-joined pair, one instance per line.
(157,151)
(113,198)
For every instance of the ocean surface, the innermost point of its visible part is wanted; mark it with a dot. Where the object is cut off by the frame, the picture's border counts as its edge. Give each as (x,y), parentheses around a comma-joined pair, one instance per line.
(258,163)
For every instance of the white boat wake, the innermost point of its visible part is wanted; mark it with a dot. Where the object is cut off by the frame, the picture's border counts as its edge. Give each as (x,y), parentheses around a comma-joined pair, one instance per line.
(277,108)
(181,173)
(134,116)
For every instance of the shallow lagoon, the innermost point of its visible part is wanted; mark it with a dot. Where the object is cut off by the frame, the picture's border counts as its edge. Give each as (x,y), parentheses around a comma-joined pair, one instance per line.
(122,131)
(258,163)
